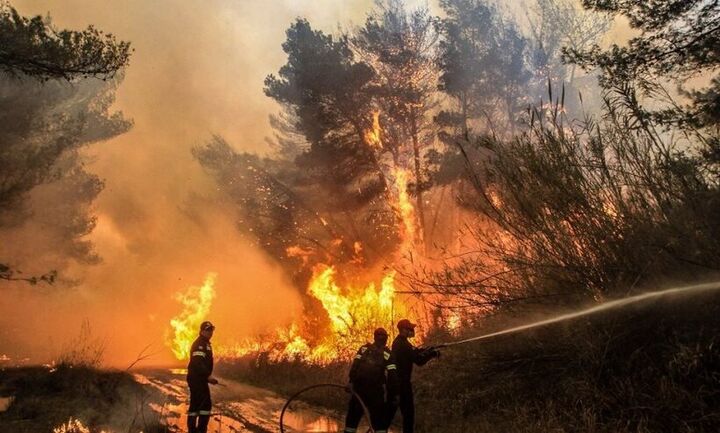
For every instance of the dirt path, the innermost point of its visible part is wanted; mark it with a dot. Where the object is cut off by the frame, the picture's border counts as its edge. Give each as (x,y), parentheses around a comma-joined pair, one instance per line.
(237,407)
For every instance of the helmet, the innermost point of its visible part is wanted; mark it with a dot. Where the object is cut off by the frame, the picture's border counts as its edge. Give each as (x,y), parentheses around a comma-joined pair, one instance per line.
(207,326)
(380,332)
(406,324)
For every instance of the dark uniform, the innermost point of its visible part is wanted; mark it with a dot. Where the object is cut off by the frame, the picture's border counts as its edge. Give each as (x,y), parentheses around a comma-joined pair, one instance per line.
(200,368)
(406,355)
(368,380)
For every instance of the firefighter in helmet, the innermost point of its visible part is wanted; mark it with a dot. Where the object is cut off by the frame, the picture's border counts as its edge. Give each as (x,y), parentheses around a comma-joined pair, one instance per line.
(406,355)
(372,373)
(199,376)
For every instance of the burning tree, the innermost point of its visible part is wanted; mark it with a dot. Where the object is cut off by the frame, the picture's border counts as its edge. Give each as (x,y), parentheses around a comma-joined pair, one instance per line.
(352,183)
(400,46)
(341,200)
(599,207)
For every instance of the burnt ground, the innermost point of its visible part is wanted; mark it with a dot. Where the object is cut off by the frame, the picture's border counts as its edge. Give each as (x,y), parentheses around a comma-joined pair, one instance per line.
(152,401)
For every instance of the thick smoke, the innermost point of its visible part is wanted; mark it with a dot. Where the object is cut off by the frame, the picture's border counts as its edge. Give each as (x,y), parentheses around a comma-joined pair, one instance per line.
(197,69)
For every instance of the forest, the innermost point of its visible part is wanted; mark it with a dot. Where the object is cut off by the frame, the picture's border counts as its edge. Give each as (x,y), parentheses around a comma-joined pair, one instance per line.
(471,165)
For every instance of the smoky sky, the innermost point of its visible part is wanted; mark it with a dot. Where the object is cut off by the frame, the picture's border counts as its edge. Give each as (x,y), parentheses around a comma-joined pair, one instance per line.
(197,69)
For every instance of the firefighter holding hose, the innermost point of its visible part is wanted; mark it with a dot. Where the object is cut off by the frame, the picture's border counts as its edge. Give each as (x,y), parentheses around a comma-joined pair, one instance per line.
(372,372)
(406,355)
(199,377)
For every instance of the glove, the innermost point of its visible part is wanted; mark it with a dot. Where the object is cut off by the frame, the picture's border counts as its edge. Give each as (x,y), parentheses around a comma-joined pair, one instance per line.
(431,352)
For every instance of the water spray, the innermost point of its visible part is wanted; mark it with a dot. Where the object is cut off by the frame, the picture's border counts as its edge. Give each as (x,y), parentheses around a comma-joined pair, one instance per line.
(588,311)
(567,316)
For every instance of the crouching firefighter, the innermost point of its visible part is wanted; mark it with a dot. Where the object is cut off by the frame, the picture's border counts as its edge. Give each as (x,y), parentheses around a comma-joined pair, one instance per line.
(405,356)
(372,373)
(199,376)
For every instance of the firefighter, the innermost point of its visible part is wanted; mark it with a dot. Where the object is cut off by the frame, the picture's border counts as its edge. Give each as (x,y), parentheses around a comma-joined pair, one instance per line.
(199,376)
(405,355)
(372,372)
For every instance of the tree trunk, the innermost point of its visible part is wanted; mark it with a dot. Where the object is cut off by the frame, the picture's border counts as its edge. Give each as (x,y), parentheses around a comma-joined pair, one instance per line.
(418,176)
(465,131)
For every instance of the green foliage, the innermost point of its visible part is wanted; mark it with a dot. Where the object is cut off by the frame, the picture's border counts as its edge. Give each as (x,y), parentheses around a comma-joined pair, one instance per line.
(485,63)
(44,183)
(678,41)
(327,91)
(45,122)
(32,47)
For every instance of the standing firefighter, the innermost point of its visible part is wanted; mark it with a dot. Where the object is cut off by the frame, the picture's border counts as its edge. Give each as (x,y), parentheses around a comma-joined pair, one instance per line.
(368,380)
(405,355)
(199,376)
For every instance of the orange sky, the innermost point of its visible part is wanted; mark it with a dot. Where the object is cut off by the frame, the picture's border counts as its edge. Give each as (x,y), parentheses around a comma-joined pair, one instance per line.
(197,70)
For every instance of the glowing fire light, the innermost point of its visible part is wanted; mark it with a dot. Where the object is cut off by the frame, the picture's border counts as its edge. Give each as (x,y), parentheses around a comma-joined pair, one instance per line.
(353,313)
(453,323)
(372,137)
(73,426)
(405,209)
(196,305)
(403,205)
(360,309)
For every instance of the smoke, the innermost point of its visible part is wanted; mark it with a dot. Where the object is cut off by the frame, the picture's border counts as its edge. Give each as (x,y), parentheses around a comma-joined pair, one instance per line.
(162,225)
(197,70)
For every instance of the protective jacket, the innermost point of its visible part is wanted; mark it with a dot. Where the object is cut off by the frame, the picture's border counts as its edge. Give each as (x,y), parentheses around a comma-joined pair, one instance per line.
(200,366)
(372,370)
(370,366)
(406,355)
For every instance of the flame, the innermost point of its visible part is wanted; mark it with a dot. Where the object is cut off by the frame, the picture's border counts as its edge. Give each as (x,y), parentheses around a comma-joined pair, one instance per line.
(73,426)
(196,305)
(453,322)
(352,312)
(372,137)
(297,251)
(404,208)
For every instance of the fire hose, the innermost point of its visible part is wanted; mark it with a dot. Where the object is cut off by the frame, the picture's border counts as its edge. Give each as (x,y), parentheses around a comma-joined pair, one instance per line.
(323,385)
(562,317)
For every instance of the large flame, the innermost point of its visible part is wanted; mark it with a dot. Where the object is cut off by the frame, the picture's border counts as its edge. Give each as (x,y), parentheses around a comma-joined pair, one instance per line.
(196,303)
(402,204)
(352,312)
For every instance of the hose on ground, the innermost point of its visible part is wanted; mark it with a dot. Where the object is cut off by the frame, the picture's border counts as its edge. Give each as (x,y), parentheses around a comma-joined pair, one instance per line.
(324,385)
